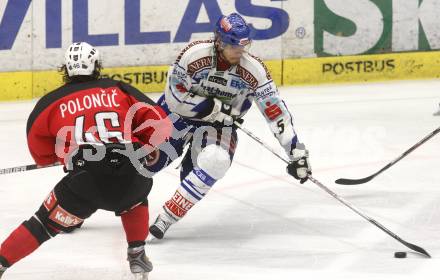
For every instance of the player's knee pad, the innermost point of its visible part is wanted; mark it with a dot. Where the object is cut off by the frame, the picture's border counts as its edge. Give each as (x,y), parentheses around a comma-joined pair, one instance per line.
(56,219)
(63,210)
(214,160)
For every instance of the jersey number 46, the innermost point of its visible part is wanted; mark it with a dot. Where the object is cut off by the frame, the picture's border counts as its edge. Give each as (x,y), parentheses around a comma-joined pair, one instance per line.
(100,130)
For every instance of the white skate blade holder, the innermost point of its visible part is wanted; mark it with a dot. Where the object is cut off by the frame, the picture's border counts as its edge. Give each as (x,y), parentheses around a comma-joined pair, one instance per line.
(151,239)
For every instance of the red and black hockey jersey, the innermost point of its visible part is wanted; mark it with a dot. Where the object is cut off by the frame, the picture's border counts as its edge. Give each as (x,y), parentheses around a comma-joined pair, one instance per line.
(97,111)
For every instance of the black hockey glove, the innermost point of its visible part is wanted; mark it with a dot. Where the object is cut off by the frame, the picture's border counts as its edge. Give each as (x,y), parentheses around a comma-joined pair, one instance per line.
(220,113)
(240,121)
(299,167)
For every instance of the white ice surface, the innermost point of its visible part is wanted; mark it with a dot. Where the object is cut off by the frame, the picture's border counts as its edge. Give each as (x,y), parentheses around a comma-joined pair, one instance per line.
(257,222)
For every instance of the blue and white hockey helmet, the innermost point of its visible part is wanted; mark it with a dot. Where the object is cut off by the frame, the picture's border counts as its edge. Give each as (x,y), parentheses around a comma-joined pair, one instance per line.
(233,30)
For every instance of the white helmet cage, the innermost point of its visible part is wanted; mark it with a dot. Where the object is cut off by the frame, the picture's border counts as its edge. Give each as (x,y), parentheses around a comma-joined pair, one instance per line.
(80,59)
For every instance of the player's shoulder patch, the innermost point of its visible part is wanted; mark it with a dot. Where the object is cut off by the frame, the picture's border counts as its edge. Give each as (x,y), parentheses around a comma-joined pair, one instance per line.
(247,76)
(259,62)
(253,71)
(198,64)
(191,45)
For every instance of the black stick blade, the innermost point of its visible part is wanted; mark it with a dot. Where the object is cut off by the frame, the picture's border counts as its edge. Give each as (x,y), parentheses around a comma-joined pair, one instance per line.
(416,248)
(413,247)
(343,181)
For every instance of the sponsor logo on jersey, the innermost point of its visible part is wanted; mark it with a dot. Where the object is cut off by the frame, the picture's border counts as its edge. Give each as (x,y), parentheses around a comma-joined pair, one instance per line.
(265,92)
(247,76)
(179,205)
(214,91)
(200,63)
(272,111)
(238,84)
(179,73)
(201,75)
(50,202)
(210,89)
(64,218)
(218,80)
(181,88)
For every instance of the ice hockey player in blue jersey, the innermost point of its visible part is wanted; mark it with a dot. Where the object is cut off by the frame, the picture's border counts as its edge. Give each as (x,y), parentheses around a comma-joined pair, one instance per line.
(211,84)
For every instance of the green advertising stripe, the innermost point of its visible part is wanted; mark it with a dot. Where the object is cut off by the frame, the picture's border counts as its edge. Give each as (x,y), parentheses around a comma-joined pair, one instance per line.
(375,26)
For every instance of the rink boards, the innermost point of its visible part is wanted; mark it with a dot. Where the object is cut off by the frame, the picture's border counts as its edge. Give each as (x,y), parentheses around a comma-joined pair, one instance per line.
(306,71)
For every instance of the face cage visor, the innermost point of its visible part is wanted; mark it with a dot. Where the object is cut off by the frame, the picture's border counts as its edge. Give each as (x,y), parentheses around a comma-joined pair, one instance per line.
(242,48)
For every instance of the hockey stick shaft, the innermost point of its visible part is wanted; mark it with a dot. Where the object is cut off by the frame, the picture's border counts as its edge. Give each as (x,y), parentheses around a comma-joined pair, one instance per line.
(251,135)
(344,181)
(23,168)
(341,200)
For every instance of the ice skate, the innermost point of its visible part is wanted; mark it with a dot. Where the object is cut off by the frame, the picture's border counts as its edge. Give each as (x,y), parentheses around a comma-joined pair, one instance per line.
(161,225)
(139,263)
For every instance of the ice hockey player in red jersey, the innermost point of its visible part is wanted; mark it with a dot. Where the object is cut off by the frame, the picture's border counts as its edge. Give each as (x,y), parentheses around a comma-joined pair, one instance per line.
(101,131)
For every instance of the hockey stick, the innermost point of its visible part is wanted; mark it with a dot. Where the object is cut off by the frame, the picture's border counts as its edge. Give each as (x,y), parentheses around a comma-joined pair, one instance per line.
(23,168)
(343,181)
(322,186)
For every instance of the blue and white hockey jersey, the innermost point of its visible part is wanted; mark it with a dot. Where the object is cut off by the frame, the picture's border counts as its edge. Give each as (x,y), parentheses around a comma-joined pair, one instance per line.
(194,79)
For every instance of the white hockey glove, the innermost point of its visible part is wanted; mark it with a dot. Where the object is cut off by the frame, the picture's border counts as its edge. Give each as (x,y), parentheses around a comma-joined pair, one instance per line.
(220,113)
(299,167)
